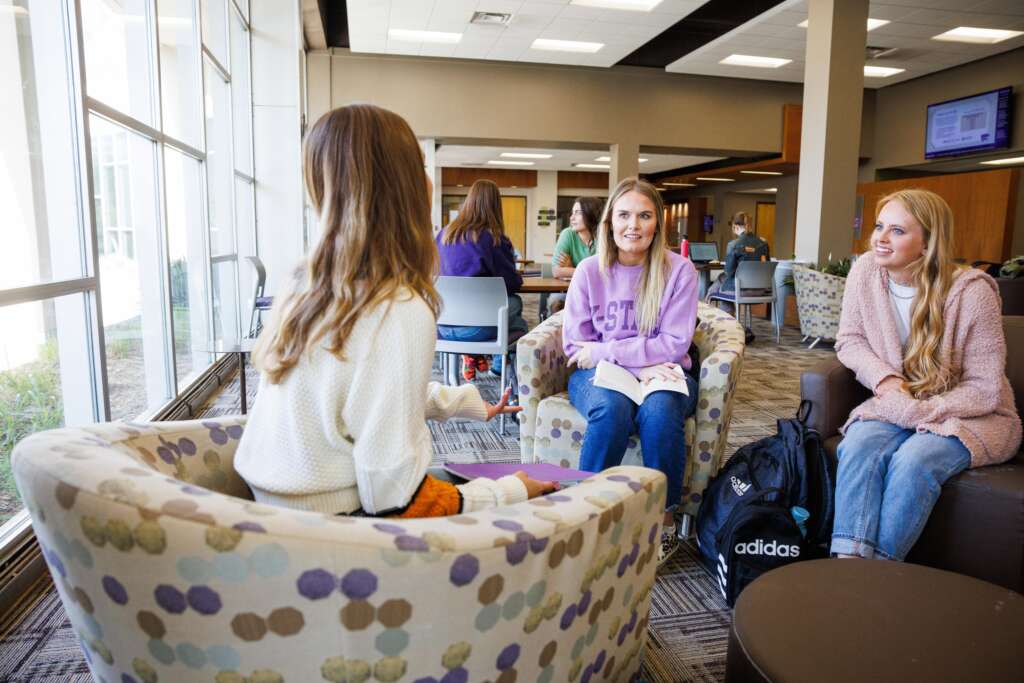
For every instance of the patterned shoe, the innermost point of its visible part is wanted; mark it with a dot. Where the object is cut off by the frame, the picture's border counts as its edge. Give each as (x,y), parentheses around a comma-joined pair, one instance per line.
(669,544)
(468,368)
(483,364)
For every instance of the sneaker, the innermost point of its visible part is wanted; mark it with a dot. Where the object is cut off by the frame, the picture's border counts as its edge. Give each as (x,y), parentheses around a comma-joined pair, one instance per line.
(483,364)
(468,368)
(749,336)
(669,544)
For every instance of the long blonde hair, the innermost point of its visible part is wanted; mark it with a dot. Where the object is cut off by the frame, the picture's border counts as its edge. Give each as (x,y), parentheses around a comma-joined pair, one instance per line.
(932,274)
(651,287)
(481,210)
(364,173)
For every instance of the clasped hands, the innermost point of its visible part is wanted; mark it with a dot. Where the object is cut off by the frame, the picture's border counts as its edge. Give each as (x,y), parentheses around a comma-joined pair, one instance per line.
(583,359)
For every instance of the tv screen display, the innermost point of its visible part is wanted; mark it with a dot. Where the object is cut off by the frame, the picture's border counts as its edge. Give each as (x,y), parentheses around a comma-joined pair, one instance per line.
(969,124)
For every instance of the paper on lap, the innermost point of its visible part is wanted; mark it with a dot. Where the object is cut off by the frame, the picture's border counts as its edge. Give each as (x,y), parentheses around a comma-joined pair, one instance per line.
(611,376)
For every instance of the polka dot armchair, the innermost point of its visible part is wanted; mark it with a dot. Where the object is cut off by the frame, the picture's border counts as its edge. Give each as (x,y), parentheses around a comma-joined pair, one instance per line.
(819,303)
(551,429)
(169,572)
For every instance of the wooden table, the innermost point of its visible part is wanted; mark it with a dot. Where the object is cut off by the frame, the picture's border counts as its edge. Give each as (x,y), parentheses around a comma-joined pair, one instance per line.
(540,285)
(704,272)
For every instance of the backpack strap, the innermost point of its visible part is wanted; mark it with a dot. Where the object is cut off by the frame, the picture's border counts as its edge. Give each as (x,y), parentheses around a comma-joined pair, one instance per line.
(804,411)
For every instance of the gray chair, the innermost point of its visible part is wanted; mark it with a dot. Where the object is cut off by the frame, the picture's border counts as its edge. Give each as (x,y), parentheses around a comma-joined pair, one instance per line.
(475,302)
(260,301)
(755,284)
(542,310)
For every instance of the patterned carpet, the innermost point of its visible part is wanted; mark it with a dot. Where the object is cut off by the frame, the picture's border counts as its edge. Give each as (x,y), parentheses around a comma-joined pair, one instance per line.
(689,622)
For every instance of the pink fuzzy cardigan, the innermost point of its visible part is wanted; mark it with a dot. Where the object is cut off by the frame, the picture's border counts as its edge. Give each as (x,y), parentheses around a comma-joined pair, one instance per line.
(979,410)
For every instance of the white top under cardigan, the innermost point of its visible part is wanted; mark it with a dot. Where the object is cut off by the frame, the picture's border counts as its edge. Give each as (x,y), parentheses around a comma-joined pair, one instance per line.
(338,435)
(902,299)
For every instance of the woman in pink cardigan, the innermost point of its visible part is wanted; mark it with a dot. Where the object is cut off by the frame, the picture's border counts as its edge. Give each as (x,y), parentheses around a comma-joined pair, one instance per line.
(926,337)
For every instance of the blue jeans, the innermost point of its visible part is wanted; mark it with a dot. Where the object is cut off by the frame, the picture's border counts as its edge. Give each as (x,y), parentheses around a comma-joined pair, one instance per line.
(612,419)
(888,481)
(516,324)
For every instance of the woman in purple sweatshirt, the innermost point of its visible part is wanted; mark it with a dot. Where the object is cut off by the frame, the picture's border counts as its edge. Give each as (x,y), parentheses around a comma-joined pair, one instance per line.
(634,304)
(474,244)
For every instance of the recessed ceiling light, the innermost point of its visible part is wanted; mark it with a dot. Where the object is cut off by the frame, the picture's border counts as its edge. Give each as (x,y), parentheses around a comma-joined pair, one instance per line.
(753,60)
(872,23)
(525,155)
(603,159)
(499,162)
(679,184)
(566,45)
(762,172)
(1009,160)
(591,165)
(881,71)
(970,34)
(641,160)
(770,189)
(414,36)
(718,180)
(630,5)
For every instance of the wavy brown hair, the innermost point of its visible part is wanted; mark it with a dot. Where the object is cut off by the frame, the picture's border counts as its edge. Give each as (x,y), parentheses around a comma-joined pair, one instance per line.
(591,208)
(933,275)
(481,210)
(651,287)
(364,173)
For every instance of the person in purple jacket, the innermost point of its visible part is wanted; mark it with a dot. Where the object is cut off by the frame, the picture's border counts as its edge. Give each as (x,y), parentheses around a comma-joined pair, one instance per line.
(634,304)
(474,244)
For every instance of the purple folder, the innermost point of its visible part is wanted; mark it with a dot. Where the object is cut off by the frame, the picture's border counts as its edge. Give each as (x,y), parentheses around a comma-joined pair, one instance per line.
(541,471)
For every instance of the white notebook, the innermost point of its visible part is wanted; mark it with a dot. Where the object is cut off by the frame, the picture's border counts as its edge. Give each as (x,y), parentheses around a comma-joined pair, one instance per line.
(611,376)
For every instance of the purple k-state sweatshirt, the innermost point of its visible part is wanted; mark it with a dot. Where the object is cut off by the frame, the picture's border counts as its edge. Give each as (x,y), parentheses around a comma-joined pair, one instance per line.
(602,309)
(482,258)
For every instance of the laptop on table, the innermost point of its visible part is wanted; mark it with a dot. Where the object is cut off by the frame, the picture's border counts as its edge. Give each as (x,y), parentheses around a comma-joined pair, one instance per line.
(704,252)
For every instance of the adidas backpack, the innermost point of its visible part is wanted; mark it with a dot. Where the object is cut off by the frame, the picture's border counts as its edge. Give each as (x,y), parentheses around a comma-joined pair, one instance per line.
(745,525)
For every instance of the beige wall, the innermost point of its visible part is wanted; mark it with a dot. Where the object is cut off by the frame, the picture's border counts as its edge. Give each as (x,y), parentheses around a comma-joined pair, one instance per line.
(899,117)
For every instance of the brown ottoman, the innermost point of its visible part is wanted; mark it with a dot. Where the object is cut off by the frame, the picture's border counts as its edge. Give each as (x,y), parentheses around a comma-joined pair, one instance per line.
(872,620)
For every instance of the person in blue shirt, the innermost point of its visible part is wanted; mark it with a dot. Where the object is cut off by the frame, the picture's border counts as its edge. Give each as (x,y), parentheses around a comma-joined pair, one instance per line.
(474,244)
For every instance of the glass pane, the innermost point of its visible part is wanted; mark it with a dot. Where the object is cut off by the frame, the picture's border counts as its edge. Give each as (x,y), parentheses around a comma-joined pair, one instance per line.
(117,55)
(45,378)
(40,229)
(215,28)
(240,99)
(246,247)
(187,258)
(133,300)
(219,164)
(225,302)
(179,71)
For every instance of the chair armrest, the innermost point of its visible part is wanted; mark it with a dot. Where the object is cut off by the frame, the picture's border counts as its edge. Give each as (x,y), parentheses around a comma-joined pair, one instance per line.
(834,392)
(541,370)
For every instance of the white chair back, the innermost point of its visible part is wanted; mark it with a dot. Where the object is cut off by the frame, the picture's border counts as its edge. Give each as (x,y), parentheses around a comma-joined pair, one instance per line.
(472,301)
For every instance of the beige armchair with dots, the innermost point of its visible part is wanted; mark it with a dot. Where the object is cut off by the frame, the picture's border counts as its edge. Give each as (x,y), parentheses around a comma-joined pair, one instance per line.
(170,572)
(551,429)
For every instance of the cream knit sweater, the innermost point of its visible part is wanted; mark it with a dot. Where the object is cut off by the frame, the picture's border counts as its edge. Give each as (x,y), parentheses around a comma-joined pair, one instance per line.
(338,435)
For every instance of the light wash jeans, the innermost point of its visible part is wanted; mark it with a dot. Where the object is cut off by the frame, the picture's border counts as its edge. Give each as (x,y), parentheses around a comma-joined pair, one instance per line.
(612,418)
(516,324)
(888,481)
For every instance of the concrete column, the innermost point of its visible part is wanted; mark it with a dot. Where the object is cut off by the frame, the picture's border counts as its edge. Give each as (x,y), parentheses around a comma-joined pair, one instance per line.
(429,147)
(830,135)
(624,162)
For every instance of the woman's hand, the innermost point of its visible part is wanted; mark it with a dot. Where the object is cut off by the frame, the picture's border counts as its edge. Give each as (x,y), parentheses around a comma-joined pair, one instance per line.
(581,358)
(888,385)
(502,407)
(564,260)
(535,488)
(669,372)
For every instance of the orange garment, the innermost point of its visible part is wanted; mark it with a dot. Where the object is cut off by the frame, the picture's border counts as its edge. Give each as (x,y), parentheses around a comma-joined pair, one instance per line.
(434,498)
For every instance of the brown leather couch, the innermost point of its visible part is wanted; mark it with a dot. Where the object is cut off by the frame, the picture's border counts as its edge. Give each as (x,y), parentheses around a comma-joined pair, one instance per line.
(977,526)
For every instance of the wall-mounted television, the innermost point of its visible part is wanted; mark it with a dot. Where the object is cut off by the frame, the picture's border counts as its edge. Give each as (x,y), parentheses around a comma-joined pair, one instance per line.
(969,124)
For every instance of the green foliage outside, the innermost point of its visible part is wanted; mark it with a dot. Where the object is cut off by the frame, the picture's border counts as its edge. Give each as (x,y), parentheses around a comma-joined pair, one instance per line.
(30,402)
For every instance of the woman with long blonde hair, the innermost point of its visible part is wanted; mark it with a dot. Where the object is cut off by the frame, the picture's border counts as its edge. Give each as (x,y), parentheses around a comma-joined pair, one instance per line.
(339,422)
(634,304)
(474,244)
(926,337)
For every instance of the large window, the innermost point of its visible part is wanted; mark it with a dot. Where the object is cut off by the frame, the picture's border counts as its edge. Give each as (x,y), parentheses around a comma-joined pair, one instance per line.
(126,181)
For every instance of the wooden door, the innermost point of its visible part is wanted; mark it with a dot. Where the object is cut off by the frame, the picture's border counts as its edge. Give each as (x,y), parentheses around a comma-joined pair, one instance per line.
(513,211)
(764,224)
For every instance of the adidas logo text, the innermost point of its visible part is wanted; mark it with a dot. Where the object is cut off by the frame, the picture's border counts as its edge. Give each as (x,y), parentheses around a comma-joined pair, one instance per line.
(771,549)
(738,486)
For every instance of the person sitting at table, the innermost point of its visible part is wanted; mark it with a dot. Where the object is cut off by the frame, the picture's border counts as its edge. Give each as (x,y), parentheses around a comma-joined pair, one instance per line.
(339,424)
(745,247)
(474,244)
(926,337)
(635,305)
(576,243)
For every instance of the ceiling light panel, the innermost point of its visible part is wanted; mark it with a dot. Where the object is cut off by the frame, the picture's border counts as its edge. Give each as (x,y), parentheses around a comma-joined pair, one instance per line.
(971,34)
(755,61)
(525,155)
(717,180)
(628,5)
(872,23)
(553,45)
(1003,162)
(762,172)
(881,71)
(601,166)
(509,162)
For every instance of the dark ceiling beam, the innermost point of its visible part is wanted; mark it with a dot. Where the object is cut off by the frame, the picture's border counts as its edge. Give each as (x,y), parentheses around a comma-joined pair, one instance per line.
(334,14)
(709,21)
